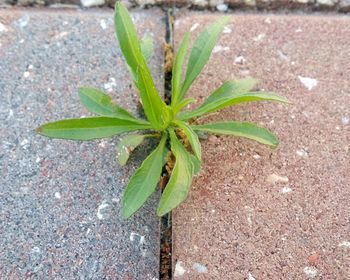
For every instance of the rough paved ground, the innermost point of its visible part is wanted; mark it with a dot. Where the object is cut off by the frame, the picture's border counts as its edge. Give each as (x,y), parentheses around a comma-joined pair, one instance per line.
(60,200)
(259,214)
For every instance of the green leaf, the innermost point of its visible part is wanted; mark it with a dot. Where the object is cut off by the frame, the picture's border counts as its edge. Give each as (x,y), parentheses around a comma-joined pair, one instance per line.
(130,46)
(127,144)
(181,178)
(157,113)
(243,129)
(201,51)
(196,164)
(147,47)
(183,104)
(90,128)
(96,101)
(231,88)
(230,93)
(144,181)
(191,136)
(177,70)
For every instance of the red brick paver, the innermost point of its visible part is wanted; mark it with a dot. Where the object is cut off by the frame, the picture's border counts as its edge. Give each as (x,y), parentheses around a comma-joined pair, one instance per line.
(259,214)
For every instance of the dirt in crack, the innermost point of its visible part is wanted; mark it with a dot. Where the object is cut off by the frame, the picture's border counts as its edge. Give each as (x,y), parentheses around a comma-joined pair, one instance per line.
(165,257)
(165,248)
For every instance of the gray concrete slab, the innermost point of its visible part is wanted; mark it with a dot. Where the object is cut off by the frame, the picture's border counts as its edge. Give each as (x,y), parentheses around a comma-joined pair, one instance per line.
(60,200)
(254,213)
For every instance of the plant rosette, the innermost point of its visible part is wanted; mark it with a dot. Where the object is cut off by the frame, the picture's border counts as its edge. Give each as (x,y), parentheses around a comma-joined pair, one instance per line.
(179,150)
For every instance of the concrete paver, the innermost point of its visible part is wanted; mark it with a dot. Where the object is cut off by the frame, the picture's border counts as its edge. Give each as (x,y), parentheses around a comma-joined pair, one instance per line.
(254,213)
(60,200)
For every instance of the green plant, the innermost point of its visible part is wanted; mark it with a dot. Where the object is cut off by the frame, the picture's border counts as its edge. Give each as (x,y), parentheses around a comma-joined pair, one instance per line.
(179,147)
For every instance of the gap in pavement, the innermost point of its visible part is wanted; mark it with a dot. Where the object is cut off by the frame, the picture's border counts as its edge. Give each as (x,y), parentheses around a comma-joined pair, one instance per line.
(165,255)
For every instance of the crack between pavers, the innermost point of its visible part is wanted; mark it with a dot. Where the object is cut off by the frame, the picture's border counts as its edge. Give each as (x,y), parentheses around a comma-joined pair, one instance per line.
(165,254)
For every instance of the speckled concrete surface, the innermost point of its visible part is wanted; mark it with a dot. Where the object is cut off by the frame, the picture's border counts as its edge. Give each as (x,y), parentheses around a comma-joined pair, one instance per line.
(60,200)
(259,214)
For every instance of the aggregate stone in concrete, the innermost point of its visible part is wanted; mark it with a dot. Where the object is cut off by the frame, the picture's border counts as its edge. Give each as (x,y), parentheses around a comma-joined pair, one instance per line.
(60,200)
(255,213)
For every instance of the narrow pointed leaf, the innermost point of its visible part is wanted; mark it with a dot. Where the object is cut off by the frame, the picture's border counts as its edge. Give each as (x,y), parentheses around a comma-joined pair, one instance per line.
(196,164)
(242,129)
(177,70)
(231,88)
(177,189)
(201,51)
(191,136)
(230,93)
(127,144)
(144,181)
(96,101)
(147,47)
(141,74)
(183,103)
(90,128)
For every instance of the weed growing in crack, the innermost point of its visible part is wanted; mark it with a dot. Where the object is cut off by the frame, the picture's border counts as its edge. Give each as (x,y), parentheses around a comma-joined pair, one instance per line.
(179,149)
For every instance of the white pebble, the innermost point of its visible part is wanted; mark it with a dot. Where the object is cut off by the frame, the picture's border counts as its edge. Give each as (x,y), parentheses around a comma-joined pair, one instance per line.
(227,30)
(302,153)
(310,271)
(103,205)
(240,59)
(345,244)
(222,7)
(179,269)
(58,195)
(256,156)
(23,21)
(250,277)
(267,20)
(24,142)
(91,3)
(110,85)
(26,74)
(345,120)
(309,83)
(259,37)
(200,268)
(3,28)
(274,178)
(220,49)
(286,190)
(194,27)
(103,24)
